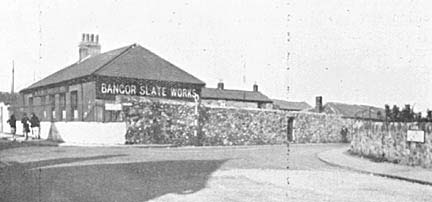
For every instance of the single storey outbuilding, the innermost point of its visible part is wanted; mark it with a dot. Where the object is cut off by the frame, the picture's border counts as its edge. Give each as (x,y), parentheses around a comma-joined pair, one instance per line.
(90,89)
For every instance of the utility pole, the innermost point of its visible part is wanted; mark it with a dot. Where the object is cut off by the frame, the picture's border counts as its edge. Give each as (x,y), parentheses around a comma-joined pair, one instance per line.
(13,77)
(288,39)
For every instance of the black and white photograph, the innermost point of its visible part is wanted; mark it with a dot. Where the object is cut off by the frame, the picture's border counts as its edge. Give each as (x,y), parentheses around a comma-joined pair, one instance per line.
(229,100)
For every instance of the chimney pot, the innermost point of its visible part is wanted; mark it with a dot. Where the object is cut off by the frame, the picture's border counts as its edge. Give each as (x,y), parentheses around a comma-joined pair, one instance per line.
(89,46)
(83,37)
(220,85)
(318,104)
(255,87)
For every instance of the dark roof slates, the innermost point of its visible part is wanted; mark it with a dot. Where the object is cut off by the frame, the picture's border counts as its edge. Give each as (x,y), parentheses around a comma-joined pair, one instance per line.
(239,95)
(131,61)
(352,110)
(144,64)
(79,69)
(290,105)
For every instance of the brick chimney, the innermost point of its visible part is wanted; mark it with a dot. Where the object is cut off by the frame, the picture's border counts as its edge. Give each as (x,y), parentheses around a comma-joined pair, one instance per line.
(89,46)
(318,104)
(220,85)
(255,87)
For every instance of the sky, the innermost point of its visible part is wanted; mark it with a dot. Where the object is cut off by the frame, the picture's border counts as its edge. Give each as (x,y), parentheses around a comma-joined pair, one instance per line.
(352,51)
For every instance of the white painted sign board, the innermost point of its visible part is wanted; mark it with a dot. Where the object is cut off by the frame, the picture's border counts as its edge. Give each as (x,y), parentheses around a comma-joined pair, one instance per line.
(113,107)
(415,136)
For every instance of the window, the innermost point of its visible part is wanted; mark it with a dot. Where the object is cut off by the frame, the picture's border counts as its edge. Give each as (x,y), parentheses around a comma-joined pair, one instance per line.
(42,106)
(30,104)
(52,106)
(74,105)
(62,104)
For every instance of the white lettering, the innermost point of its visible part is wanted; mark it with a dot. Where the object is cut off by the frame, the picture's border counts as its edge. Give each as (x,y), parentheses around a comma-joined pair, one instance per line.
(127,89)
(153,93)
(189,93)
(133,89)
(158,90)
(142,90)
(109,89)
(103,88)
(164,92)
(147,90)
(121,89)
(115,88)
(173,92)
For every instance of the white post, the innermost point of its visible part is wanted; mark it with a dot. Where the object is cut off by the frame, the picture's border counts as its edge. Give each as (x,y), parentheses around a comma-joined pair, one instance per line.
(196,99)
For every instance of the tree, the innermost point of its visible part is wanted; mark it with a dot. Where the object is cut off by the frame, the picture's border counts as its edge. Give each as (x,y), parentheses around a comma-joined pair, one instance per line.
(418,117)
(387,112)
(407,114)
(395,113)
(429,115)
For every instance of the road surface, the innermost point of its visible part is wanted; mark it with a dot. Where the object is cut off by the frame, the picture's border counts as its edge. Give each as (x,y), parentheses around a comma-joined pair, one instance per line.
(245,173)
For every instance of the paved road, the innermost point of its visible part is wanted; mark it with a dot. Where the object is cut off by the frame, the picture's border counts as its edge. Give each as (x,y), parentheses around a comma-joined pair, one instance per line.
(312,180)
(304,156)
(253,173)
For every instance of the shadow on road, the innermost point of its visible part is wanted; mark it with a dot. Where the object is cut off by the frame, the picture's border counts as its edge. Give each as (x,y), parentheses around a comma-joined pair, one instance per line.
(140,181)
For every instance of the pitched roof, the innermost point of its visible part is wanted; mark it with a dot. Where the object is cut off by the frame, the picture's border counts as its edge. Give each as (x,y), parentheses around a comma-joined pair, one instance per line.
(237,95)
(131,61)
(353,110)
(289,105)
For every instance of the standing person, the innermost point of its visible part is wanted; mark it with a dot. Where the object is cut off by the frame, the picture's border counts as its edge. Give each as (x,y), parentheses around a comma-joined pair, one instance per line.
(26,128)
(35,125)
(344,133)
(12,124)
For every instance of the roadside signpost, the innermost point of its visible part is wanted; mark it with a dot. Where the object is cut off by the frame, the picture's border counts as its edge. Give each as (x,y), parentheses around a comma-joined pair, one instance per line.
(417,136)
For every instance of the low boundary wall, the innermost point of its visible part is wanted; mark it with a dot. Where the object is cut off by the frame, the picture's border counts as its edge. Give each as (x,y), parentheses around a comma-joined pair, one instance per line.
(152,122)
(388,142)
(168,123)
(81,133)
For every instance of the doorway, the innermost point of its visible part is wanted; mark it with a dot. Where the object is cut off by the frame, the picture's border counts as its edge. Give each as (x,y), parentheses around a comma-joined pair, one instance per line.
(290,127)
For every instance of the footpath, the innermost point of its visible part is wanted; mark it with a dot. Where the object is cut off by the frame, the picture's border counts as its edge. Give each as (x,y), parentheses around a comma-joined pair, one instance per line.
(340,158)
(32,141)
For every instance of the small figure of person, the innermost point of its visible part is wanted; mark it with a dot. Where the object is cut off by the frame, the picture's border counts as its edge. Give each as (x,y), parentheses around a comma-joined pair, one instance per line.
(35,126)
(26,127)
(12,124)
(344,133)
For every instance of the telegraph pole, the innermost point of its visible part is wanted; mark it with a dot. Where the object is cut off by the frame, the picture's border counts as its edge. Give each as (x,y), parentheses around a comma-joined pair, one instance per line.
(288,39)
(13,77)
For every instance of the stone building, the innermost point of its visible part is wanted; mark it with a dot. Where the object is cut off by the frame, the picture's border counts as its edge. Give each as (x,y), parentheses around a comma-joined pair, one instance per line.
(354,111)
(235,98)
(290,105)
(91,88)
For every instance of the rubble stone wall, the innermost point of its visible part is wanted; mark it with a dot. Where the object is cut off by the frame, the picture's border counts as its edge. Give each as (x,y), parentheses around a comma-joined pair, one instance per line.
(387,142)
(150,122)
(234,126)
(320,128)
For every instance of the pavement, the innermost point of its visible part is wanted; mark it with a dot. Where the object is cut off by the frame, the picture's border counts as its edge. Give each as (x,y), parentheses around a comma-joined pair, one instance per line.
(341,158)
(32,140)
